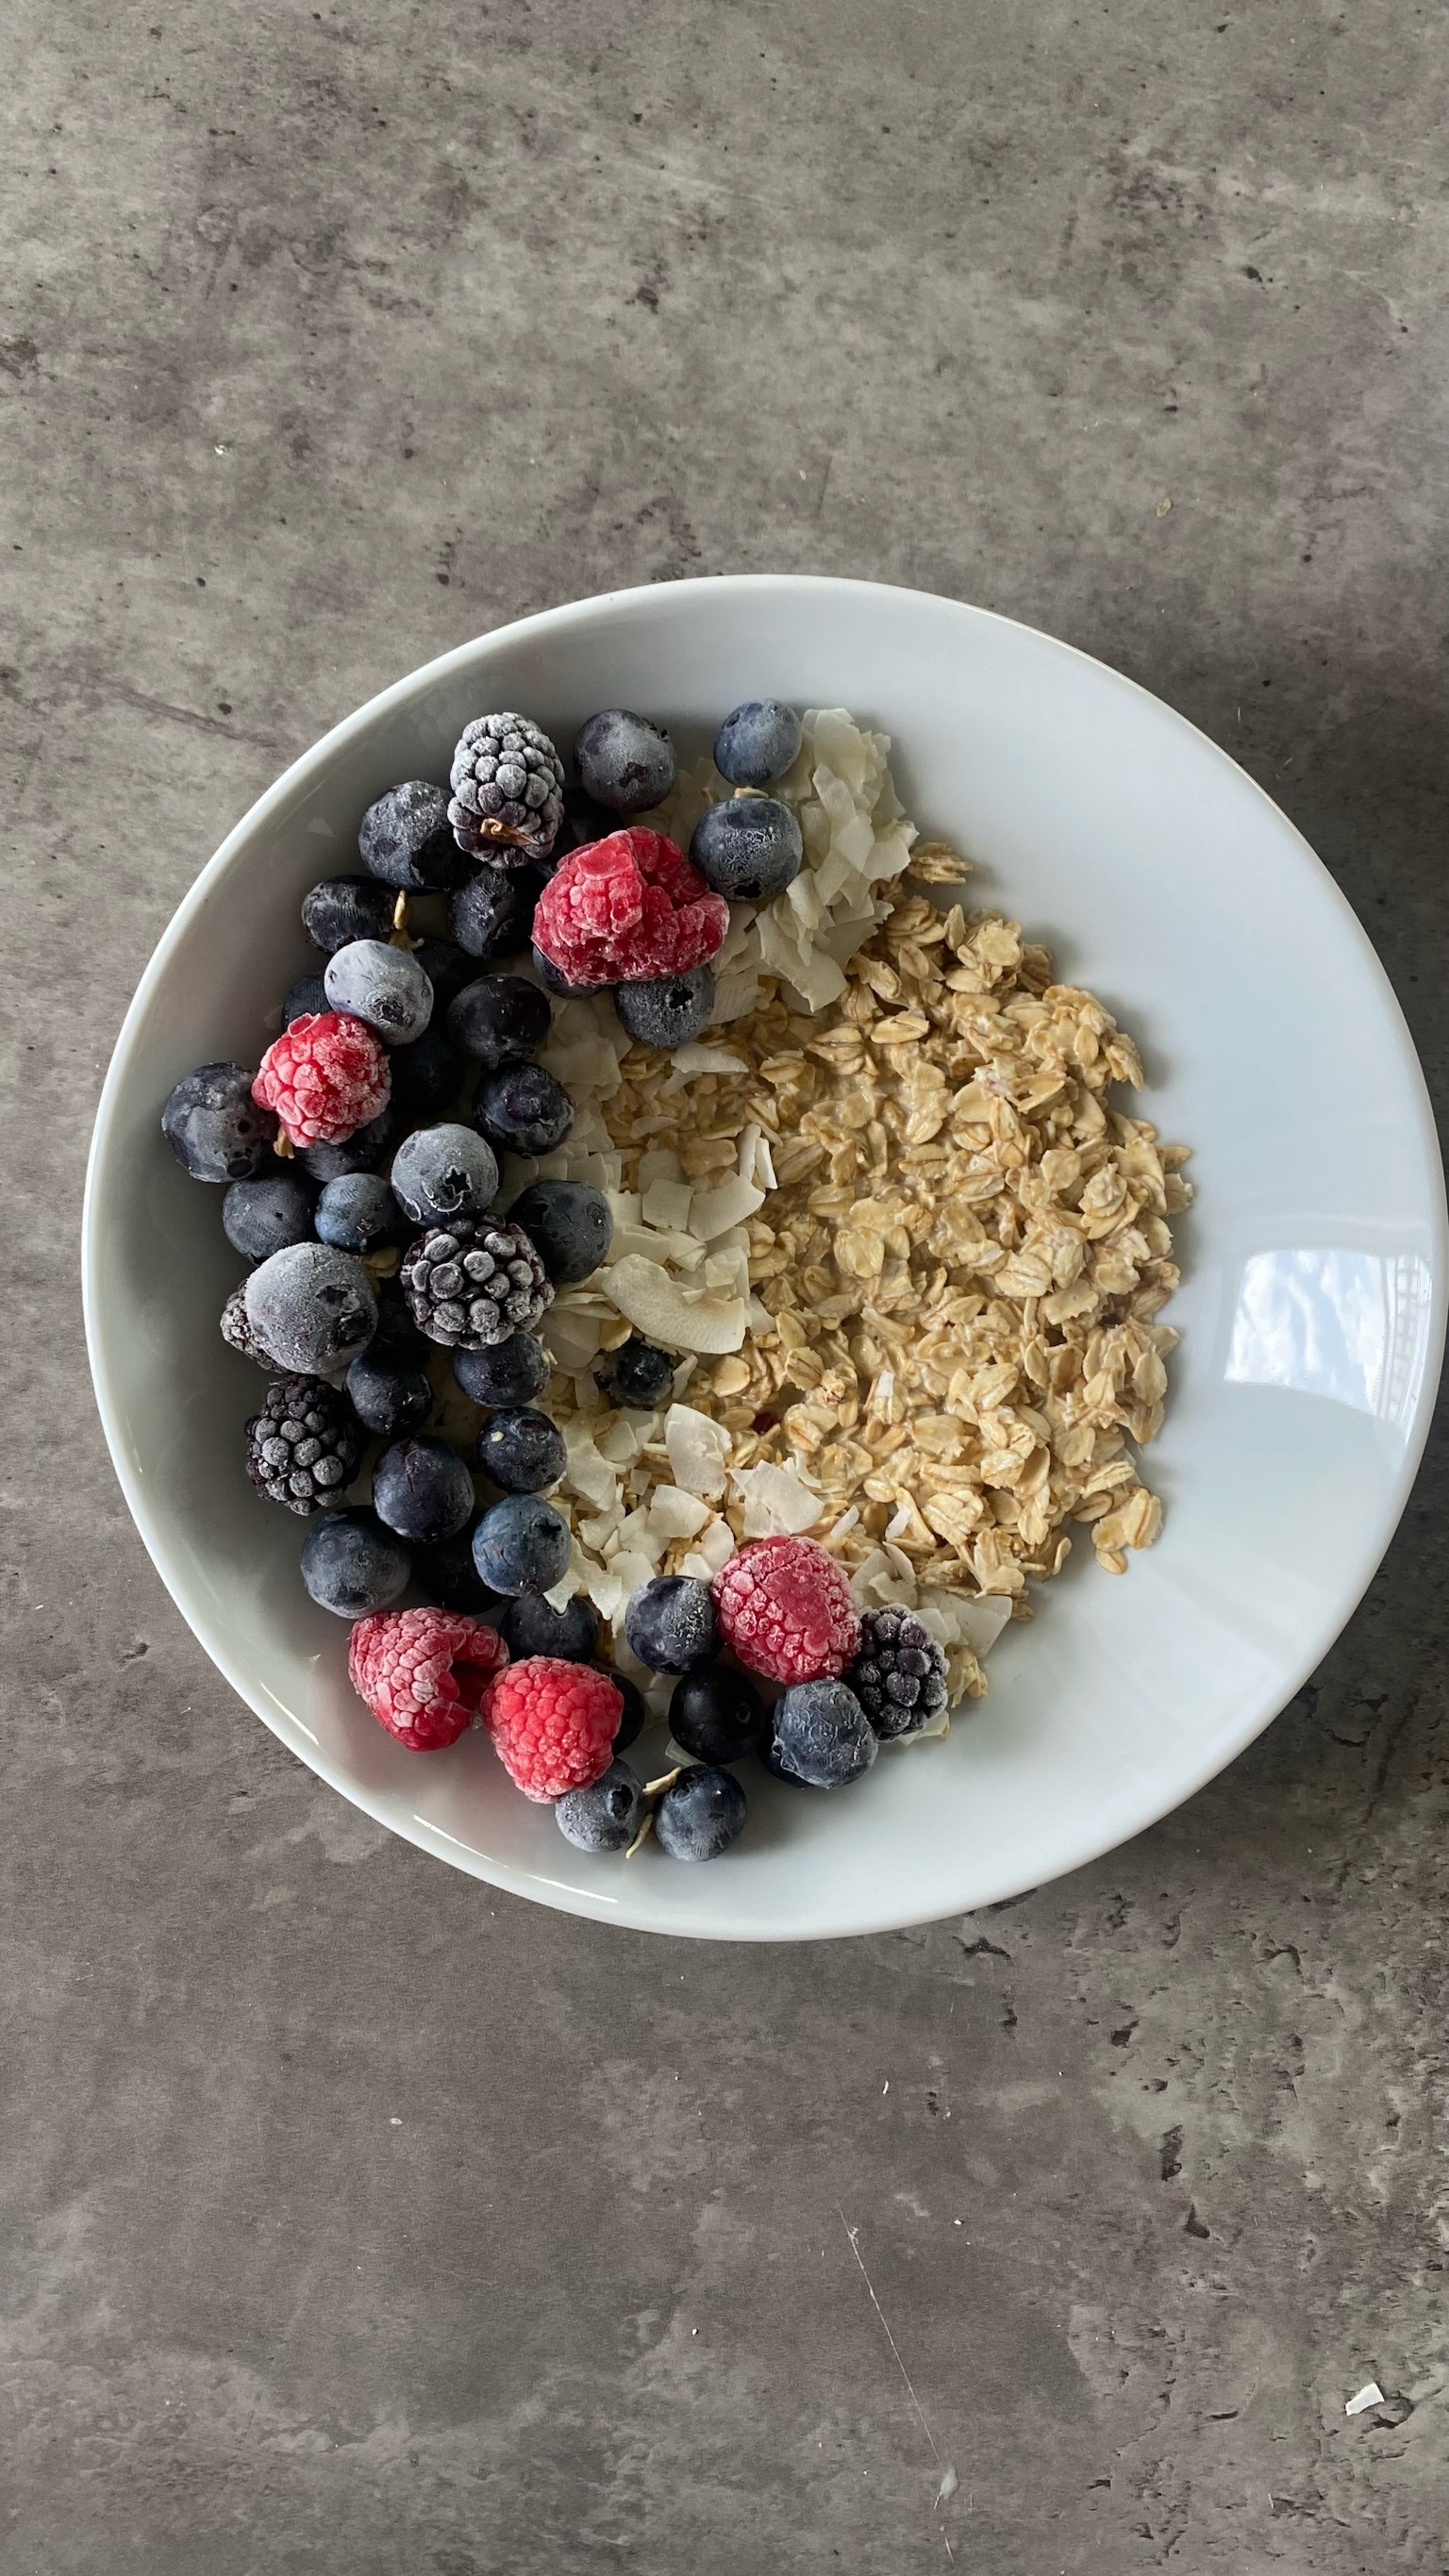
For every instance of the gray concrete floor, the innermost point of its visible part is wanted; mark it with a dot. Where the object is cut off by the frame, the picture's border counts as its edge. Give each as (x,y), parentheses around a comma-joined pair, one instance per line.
(356,2221)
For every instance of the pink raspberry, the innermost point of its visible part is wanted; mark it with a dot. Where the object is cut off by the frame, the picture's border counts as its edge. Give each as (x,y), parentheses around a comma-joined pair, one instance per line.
(423,1673)
(627,910)
(325,1077)
(784,1606)
(553,1724)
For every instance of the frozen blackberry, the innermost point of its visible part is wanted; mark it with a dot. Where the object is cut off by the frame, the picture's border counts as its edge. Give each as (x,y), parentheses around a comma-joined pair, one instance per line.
(406,841)
(523,1109)
(521,1545)
(569,1225)
(531,1626)
(475,1281)
(607,1815)
(511,1372)
(304,1447)
(383,985)
(361,1152)
(757,742)
(215,1129)
(351,1565)
(443,1172)
(304,998)
(342,909)
(426,1076)
(669,1011)
(358,1213)
(387,1395)
(637,1374)
(624,762)
(423,1490)
(262,1216)
(238,1336)
(522,1452)
(490,915)
(899,1673)
(500,1019)
(748,848)
(507,781)
(311,1307)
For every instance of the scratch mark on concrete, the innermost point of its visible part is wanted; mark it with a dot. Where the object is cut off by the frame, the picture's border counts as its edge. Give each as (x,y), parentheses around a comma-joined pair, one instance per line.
(851,2235)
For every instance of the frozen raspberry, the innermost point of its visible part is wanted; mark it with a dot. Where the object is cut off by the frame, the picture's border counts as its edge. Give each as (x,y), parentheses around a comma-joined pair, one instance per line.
(784,1606)
(553,1724)
(423,1673)
(325,1076)
(628,909)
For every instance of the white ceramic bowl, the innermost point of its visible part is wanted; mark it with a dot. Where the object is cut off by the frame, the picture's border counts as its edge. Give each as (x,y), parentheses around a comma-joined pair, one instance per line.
(1312,1311)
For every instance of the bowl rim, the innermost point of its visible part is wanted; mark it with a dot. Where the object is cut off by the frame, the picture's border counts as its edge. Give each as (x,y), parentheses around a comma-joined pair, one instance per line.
(1259,1711)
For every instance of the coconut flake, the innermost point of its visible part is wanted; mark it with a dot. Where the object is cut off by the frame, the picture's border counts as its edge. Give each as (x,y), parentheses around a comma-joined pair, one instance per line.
(719,1210)
(698,1449)
(777,1504)
(656,1306)
(665,1203)
(676,1514)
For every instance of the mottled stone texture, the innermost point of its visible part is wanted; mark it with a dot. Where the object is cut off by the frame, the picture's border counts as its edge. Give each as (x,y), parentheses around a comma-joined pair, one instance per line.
(355,2221)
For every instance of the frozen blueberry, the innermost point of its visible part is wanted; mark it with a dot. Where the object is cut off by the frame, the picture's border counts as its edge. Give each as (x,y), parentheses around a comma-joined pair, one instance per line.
(450,1576)
(311,1308)
(387,1395)
(584,820)
(360,1152)
(351,1564)
(522,1452)
(636,1715)
(447,967)
(425,1076)
(670,1623)
(358,1213)
(715,1714)
(569,1225)
(624,762)
(820,1732)
(669,1011)
(384,986)
(757,742)
(607,1815)
(521,1545)
(748,848)
(422,1489)
(509,1372)
(637,1374)
(261,1217)
(701,1815)
(502,1019)
(215,1129)
(342,909)
(553,982)
(769,1760)
(407,840)
(439,1172)
(307,995)
(532,1627)
(523,1109)
(491,914)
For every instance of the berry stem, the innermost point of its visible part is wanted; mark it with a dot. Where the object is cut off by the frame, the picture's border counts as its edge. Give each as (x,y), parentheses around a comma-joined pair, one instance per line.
(642,1836)
(282,1146)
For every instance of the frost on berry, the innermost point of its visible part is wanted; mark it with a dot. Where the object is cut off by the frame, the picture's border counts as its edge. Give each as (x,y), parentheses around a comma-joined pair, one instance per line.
(785,1609)
(423,1673)
(630,908)
(553,1724)
(325,1076)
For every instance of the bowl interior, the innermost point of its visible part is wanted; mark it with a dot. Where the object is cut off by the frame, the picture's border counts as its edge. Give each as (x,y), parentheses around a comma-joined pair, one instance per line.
(1311,1310)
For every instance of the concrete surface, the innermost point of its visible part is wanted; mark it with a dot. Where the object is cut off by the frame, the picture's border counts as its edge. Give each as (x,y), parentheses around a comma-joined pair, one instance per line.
(355,2222)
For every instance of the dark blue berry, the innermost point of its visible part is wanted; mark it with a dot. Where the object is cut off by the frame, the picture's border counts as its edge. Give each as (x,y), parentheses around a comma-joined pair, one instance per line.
(383,985)
(215,1129)
(522,1452)
(501,1019)
(701,1815)
(624,762)
(670,1623)
(406,839)
(342,909)
(521,1545)
(261,1217)
(426,1076)
(553,982)
(636,1715)
(747,849)
(386,1394)
(311,1307)
(585,820)
(307,996)
(491,915)
(770,1761)
(669,1011)
(360,1152)
(757,742)
(450,1577)
(447,967)
(715,1714)
(524,1109)
(508,1372)
(351,1564)
(442,1172)
(397,1337)
(422,1489)
(532,1627)
(820,1732)
(359,1213)
(607,1815)
(569,1225)
(636,1374)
